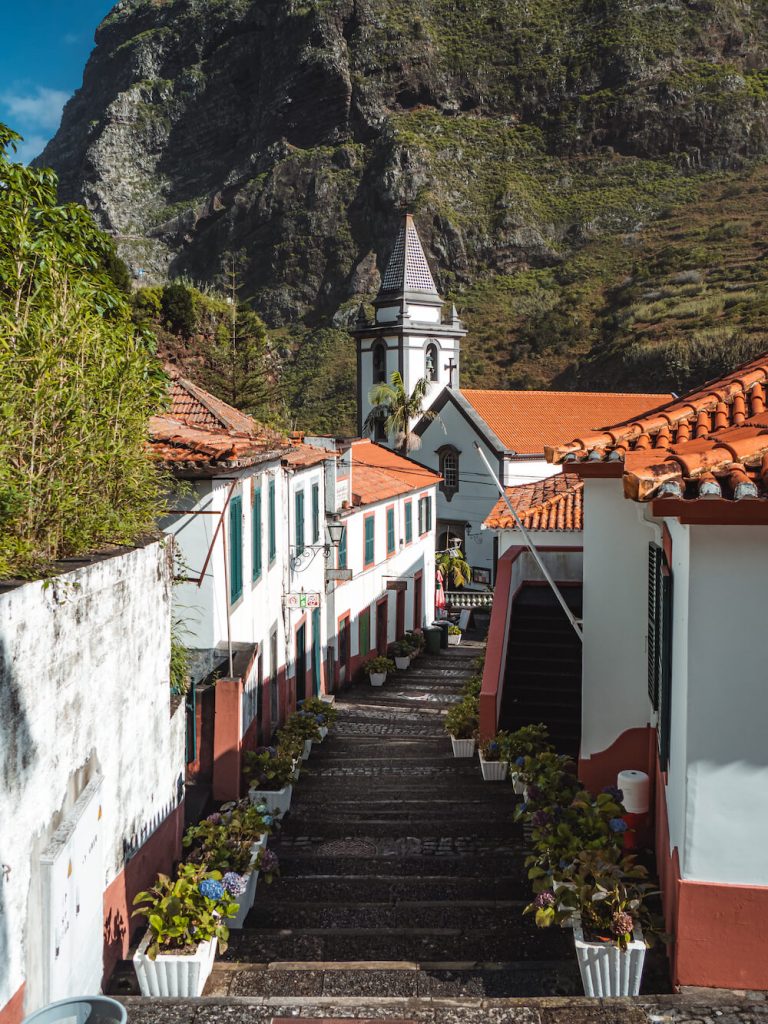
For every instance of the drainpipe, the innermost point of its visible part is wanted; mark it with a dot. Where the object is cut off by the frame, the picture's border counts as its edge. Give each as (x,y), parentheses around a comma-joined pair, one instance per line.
(532,547)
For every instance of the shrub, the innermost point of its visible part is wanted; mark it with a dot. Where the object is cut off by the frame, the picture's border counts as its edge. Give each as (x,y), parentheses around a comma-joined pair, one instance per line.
(462,719)
(378,664)
(269,768)
(178,309)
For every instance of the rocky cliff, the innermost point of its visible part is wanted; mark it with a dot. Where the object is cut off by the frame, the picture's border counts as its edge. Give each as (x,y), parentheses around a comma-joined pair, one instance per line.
(535,140)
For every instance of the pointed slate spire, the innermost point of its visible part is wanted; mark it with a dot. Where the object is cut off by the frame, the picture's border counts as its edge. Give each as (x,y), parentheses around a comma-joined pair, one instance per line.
(408,272)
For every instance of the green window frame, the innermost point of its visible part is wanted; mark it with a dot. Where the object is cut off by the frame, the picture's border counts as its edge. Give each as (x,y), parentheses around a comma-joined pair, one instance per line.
(369,550)
(256,537)
(299,524)
(315,513)
(408,522)
(272,523)
(235,548)
(428,514)
(390,530)
(342,549)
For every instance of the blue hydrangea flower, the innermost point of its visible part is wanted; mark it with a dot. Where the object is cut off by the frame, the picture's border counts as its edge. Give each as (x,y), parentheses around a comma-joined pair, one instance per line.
(614,793)
(269,861)
(320,719)
(234,884)
(211,889)
(519,761)
(493,747)
(267,819)
(617,825)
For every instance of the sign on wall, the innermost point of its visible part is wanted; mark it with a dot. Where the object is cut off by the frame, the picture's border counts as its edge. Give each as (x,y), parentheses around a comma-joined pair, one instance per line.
(72,875)
(302,600)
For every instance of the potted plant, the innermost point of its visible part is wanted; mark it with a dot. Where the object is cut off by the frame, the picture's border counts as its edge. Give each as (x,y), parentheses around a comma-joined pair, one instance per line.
(325,713)
(415,641)
(461,723)
(604,899)
(376,668)
(494,763)
(528,741)
(270,774)
(301,726)
(401,652)
(454,636)
(186,920)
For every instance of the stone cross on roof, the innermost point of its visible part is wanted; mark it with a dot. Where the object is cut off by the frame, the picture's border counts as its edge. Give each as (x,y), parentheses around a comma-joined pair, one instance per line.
(408,272)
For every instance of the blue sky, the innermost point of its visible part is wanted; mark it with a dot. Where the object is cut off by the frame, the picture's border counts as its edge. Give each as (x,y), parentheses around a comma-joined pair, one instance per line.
(45,46)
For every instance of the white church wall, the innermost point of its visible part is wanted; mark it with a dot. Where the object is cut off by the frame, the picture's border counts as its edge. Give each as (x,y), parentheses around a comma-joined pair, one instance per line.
(518,471)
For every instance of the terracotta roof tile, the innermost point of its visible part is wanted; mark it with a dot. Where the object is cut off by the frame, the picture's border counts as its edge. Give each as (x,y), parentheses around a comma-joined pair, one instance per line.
(302,456)
(555,503)
(197,407)
(527,422)
(378,474)
(177,443)
(711,443)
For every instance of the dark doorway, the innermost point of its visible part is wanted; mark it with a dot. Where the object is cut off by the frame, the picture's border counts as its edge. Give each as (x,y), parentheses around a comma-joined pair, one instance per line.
(344,651)
(301,662)
(382,625)
(418,600)
(400,615)
(317,651)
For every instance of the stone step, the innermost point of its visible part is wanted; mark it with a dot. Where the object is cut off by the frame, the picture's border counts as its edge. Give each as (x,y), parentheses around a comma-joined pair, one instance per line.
(447,826)
(395,980)
(274,912)
(392,888)
(411,860)
(395,805)
(452,770)
(520,942)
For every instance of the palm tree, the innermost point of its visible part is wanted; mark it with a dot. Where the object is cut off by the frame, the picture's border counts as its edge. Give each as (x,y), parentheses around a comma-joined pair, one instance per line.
(454,567)
(392,404)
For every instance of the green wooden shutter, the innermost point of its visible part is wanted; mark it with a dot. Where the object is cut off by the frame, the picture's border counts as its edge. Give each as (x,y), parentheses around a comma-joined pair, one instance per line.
(235,548)
(390,530)
(428,508)
(256,534)
(665,678)
(315,513)
(342,549)
(365,631)
(654,622)
(299,525)
(421,516)
(370,548)
(408,522)
(272,523)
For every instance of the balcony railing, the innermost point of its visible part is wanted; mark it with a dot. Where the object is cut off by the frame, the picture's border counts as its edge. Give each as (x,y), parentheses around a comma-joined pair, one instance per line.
(469,598)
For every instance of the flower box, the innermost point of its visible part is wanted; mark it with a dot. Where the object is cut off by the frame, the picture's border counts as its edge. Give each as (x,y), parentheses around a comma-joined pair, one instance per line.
(463,748)
(517,783)
(278,801)
(323,732)
(244,902)
(378,678)
(180,975)
(607,970)
(401,664)
(454,639)
(493,771)
(307,750)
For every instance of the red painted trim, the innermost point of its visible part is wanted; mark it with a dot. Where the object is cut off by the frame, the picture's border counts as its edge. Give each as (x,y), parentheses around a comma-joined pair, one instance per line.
(713,511)
(13,1011)
(632,749)
(369,515)
(666,543)
(158,854)
(227,739)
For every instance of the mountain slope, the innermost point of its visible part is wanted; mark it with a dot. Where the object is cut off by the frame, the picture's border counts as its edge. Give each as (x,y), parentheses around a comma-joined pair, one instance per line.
(527,135)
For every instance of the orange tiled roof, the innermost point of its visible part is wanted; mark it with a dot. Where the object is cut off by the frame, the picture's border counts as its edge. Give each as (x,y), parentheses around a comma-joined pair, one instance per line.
(301,455)
(527,421)
(378,474)
(711,443)
(555,503)
(178,443)
(197,407)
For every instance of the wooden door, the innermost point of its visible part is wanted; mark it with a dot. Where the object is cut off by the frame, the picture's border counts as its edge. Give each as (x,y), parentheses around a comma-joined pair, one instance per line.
(400,615)
(382,626)
(301,662)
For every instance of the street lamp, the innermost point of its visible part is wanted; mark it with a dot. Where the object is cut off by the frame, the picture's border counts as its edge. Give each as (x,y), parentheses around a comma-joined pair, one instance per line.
(302,559)
(336,532)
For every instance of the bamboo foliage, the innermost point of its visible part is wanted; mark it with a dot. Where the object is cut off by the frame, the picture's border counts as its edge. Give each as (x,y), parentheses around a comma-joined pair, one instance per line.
(78,383)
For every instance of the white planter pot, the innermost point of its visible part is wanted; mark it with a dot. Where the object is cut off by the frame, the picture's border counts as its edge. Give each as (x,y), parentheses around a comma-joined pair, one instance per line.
(463,748)
(323,732)
(517,784)
(493,771)
(174,974)
(607,970)
(278,801)
(401,664)
(296,768)
(378,678)
(454,639)
(307,750)
(244,902)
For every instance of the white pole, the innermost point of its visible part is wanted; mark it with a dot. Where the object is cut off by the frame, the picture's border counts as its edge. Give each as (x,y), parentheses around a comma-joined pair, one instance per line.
(531,546)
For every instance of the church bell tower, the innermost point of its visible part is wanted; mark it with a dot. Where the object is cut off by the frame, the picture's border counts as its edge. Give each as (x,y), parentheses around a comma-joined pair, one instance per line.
(408,333)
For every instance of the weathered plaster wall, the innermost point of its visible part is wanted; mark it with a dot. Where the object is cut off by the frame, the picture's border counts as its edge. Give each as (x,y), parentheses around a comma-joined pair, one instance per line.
(84,691)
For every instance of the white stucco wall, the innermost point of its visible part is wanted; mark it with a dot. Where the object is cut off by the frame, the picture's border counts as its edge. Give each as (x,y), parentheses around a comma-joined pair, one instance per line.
(84,682)
(541,538)
(615,594)
(528,471)
(370,584)
(726,698)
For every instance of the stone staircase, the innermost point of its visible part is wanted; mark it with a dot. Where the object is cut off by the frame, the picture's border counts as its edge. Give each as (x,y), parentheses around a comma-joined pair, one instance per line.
(402,871)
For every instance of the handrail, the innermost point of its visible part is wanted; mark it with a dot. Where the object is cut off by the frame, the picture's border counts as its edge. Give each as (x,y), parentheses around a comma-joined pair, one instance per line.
(532,547)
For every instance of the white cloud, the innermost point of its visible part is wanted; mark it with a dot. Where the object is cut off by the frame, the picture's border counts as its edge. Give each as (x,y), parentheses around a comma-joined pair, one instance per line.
(40,108)
(32,146)
(70,38)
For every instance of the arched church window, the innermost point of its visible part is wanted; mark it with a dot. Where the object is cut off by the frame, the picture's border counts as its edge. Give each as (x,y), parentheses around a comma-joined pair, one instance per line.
(379,363)
(431,362)
(449,470)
